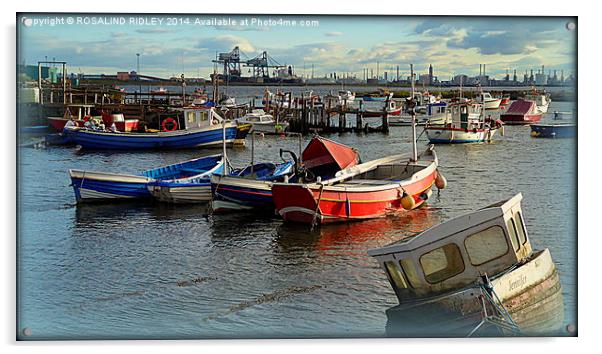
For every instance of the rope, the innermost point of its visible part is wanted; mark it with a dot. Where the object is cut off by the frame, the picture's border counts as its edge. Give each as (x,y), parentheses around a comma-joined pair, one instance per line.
(503,319)
(314,220)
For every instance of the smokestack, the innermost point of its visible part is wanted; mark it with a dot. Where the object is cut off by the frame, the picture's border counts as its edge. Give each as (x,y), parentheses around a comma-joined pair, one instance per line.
(484,70)
(480,69)
(542,70)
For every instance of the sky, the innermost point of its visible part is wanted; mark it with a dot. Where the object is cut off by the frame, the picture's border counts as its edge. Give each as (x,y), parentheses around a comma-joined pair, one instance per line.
(170,45)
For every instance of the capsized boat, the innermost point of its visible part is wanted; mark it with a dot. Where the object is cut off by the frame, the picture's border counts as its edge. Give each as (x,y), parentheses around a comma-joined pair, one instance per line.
(464,123)
(369,190)
(198,190)
(263,122)
(475,274)
(92,186)
(321,158)
(553,130)
(521,112)
(189,127)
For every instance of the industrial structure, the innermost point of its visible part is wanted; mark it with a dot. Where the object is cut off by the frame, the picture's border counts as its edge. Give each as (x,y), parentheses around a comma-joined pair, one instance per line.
(264,68)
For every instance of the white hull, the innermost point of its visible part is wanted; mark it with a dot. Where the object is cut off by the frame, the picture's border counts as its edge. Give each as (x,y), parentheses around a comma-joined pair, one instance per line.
(269,127)
(184,194)
(492,104)
(459,136)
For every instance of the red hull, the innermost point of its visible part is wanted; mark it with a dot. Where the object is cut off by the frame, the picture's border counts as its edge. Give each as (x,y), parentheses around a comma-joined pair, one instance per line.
(58,124)
(505,101)
(298,203)
(515,119)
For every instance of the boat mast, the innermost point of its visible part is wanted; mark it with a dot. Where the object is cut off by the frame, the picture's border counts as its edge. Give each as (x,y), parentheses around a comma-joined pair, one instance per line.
(224,156)
(413,113)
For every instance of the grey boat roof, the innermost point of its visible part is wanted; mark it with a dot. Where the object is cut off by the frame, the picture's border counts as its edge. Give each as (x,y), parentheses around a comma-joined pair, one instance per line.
(449,228)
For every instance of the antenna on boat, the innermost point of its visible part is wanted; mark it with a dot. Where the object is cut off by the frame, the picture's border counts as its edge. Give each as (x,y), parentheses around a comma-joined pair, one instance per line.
(413,114)
(224,156)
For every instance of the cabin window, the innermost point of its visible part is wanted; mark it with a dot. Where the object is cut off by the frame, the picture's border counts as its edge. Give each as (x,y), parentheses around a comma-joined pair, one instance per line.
(486,245)
(410,271)
(513,235)
(442,263)
(395,275)
(190,117)
(203,116)
(522,234)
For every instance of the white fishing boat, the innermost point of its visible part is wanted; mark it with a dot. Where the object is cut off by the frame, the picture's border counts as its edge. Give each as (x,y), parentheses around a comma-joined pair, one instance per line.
(463,123)
(263,122)
(542,100)
(488,101)
(475,274)
(346,96)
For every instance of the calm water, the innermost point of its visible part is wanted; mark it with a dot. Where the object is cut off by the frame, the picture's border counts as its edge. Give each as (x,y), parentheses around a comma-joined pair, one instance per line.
(142,271)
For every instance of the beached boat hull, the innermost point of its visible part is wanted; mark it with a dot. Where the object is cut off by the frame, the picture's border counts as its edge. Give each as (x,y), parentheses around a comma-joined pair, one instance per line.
(531,293)
(349,201)
(553,130)
(448,135)
(269,128)
(205,137)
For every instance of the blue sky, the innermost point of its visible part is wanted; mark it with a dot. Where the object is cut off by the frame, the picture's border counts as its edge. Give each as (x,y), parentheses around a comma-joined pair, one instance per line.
(170,46)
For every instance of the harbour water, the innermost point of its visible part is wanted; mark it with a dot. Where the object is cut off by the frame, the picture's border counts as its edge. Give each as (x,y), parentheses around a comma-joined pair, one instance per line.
(161,271)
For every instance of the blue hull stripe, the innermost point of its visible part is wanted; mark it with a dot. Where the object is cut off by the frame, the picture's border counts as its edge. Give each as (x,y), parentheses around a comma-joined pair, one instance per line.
(126,141)
(127,190)
(243,196)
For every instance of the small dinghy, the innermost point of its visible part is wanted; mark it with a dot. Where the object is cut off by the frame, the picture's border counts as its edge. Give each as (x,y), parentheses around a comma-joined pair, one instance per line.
(91,186)
(554,130)
(475,274)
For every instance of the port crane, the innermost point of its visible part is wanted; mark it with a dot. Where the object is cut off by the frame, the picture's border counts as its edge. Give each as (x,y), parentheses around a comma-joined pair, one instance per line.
(260,66)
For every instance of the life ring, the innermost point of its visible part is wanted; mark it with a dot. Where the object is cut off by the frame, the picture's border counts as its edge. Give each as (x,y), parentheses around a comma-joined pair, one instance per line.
(169,122)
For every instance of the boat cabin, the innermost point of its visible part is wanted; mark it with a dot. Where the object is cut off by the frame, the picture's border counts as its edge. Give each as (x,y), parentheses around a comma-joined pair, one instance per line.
(453,255)
(194,117)
(257,116)
(437,108)
(464,114)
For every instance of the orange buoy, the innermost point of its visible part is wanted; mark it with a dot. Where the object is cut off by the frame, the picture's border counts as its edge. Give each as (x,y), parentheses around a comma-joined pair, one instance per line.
(169,125)
(408,202)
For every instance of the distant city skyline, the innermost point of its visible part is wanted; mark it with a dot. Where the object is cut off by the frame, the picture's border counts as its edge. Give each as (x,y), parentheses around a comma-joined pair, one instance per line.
(342,44)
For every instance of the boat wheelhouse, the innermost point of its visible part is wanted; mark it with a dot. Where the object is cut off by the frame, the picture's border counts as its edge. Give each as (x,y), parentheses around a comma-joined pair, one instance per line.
(542,100)
(463,275)
(463,123)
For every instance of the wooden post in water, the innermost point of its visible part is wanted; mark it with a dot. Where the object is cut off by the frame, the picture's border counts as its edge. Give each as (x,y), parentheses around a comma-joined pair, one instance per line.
(385,116)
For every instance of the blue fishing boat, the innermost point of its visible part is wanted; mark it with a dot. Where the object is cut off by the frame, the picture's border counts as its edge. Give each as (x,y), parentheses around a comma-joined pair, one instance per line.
(91,186)
(192,127)
(198,190)
(554,130)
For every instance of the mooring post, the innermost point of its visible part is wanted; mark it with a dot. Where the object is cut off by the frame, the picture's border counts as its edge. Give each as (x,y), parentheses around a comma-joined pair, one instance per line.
(385,123)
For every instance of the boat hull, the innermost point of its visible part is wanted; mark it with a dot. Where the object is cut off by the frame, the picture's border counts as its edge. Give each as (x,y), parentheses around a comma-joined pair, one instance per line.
(553,130)
(343,203)
(448,135)
(206,137)
(531,293)
(181,193)
(520,119)
(99,186)
(492,104)
(235,194)
(270,128)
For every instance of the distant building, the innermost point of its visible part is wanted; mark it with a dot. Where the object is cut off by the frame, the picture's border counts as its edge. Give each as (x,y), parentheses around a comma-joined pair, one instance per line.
(123,76)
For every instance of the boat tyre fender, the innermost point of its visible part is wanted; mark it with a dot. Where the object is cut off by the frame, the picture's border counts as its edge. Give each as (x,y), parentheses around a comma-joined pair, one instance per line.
(169,125)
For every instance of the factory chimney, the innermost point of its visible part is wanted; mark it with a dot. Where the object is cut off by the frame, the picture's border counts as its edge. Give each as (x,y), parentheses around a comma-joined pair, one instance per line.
(480,69)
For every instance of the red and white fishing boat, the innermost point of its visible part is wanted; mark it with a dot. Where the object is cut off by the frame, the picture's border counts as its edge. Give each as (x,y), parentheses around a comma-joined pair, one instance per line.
(372,189)
(505,100)
(393,109)
(72,111)
(369,190)
(521,112)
